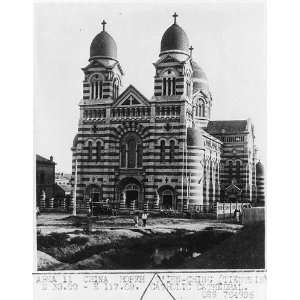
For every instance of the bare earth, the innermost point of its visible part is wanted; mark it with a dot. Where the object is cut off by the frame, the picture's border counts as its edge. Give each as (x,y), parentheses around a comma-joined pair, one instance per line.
(109,230)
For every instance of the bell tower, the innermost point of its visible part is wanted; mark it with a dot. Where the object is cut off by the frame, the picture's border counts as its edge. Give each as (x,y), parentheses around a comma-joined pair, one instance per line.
(173,72)
(103,74)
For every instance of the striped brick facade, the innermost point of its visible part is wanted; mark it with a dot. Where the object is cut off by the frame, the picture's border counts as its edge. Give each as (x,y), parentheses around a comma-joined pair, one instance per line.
(158,153)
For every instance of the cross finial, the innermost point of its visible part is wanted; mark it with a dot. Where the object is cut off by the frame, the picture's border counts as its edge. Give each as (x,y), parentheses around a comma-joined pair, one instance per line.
(175,16)
(103,24)
(191,50)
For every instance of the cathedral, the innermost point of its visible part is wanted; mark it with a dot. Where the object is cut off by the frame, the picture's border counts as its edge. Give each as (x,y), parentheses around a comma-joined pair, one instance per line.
(132,152)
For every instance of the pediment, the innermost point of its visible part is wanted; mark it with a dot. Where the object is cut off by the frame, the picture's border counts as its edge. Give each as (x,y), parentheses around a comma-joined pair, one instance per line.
(131,97)
(232,188)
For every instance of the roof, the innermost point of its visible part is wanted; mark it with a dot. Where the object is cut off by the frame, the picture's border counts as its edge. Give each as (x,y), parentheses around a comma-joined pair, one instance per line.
(174,38)
(260,169)
(227,127)
(195,137)
(63,187)
(103,45)
(42,159)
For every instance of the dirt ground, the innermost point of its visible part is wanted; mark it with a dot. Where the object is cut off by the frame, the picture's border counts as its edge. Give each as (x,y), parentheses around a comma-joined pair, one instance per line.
(59,223)
(63,243)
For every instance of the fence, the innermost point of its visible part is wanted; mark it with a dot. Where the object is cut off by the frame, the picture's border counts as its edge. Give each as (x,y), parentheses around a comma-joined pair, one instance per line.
(226,210)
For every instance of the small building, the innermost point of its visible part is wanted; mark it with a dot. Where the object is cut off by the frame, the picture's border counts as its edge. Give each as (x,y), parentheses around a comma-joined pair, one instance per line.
(45,180)
(53,191)
(63,178)
(62,197)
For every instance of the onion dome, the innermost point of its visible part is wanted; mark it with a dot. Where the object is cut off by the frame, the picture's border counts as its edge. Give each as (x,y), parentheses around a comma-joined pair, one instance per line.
(103,45)
(200,81)
(259,169)
(174,39)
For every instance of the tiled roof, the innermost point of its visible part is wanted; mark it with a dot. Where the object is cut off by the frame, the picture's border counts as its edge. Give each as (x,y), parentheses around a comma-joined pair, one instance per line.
(223,127)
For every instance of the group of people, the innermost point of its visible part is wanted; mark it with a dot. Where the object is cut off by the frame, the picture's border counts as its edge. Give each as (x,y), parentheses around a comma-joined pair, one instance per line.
(144,218)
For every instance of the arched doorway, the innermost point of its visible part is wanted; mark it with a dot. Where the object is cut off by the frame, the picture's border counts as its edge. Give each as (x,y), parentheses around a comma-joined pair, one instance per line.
(131,194)
(167,197)
(93,193)
(130,190)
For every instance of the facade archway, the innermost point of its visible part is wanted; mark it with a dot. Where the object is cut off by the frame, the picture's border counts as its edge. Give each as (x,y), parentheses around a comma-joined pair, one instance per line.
(131,192)
(131,151)
(93,193)
(167,197)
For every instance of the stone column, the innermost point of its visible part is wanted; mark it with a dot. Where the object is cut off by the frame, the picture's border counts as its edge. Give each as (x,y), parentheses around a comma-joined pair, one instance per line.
(156,202)
(146,206)
(42,200)
(123,201)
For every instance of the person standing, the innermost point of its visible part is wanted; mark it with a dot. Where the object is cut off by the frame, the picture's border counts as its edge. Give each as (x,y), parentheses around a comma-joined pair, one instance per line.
(144,218)
(136,220)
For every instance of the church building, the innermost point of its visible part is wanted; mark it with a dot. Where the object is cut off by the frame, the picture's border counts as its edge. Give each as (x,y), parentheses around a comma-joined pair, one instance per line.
(164,152)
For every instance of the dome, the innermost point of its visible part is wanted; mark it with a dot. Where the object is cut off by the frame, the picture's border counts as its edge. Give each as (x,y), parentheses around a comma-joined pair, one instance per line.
(198,72)
(259,169)
(200,81)
(75,141)
(103,45)
(174,38)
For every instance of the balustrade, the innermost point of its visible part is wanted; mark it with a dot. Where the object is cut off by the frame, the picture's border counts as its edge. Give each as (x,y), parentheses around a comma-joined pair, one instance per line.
(131,112)
(167,111)
(94,114)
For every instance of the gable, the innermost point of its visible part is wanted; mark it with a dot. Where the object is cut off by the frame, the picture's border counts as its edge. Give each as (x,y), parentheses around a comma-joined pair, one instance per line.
(131,97)
(233,188)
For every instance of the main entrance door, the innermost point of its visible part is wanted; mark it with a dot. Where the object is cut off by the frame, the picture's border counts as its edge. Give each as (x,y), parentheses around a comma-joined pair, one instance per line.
(167,199)
(131,196)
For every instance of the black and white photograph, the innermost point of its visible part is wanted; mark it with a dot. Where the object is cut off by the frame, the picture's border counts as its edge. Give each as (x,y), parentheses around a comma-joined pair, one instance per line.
(150,136)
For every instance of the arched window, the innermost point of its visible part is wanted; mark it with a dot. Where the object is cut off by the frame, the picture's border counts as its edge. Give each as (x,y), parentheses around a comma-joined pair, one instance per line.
(188,88)
(96,87)
(162,150)
(115,89)
(172,150)
(98,154)
(139,155)
(123,156)
(164,86)
(90,150)
(202,109)
(169,83)
(169,87)
(174,86)
(131,151)
(94,193)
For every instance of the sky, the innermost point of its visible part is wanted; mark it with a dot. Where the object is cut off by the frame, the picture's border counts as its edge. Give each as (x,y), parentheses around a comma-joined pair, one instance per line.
(229,41)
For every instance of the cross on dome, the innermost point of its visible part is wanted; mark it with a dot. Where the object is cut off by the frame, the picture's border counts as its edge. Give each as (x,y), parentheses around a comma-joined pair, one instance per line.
(175,16)
(103,24)
(191,50)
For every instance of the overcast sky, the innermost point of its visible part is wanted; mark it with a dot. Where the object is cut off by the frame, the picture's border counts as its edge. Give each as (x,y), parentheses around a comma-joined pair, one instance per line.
(228,40)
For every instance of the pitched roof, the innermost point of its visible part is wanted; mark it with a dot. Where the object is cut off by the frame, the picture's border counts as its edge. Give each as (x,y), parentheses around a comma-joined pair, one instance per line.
(225,127)
(40,158)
